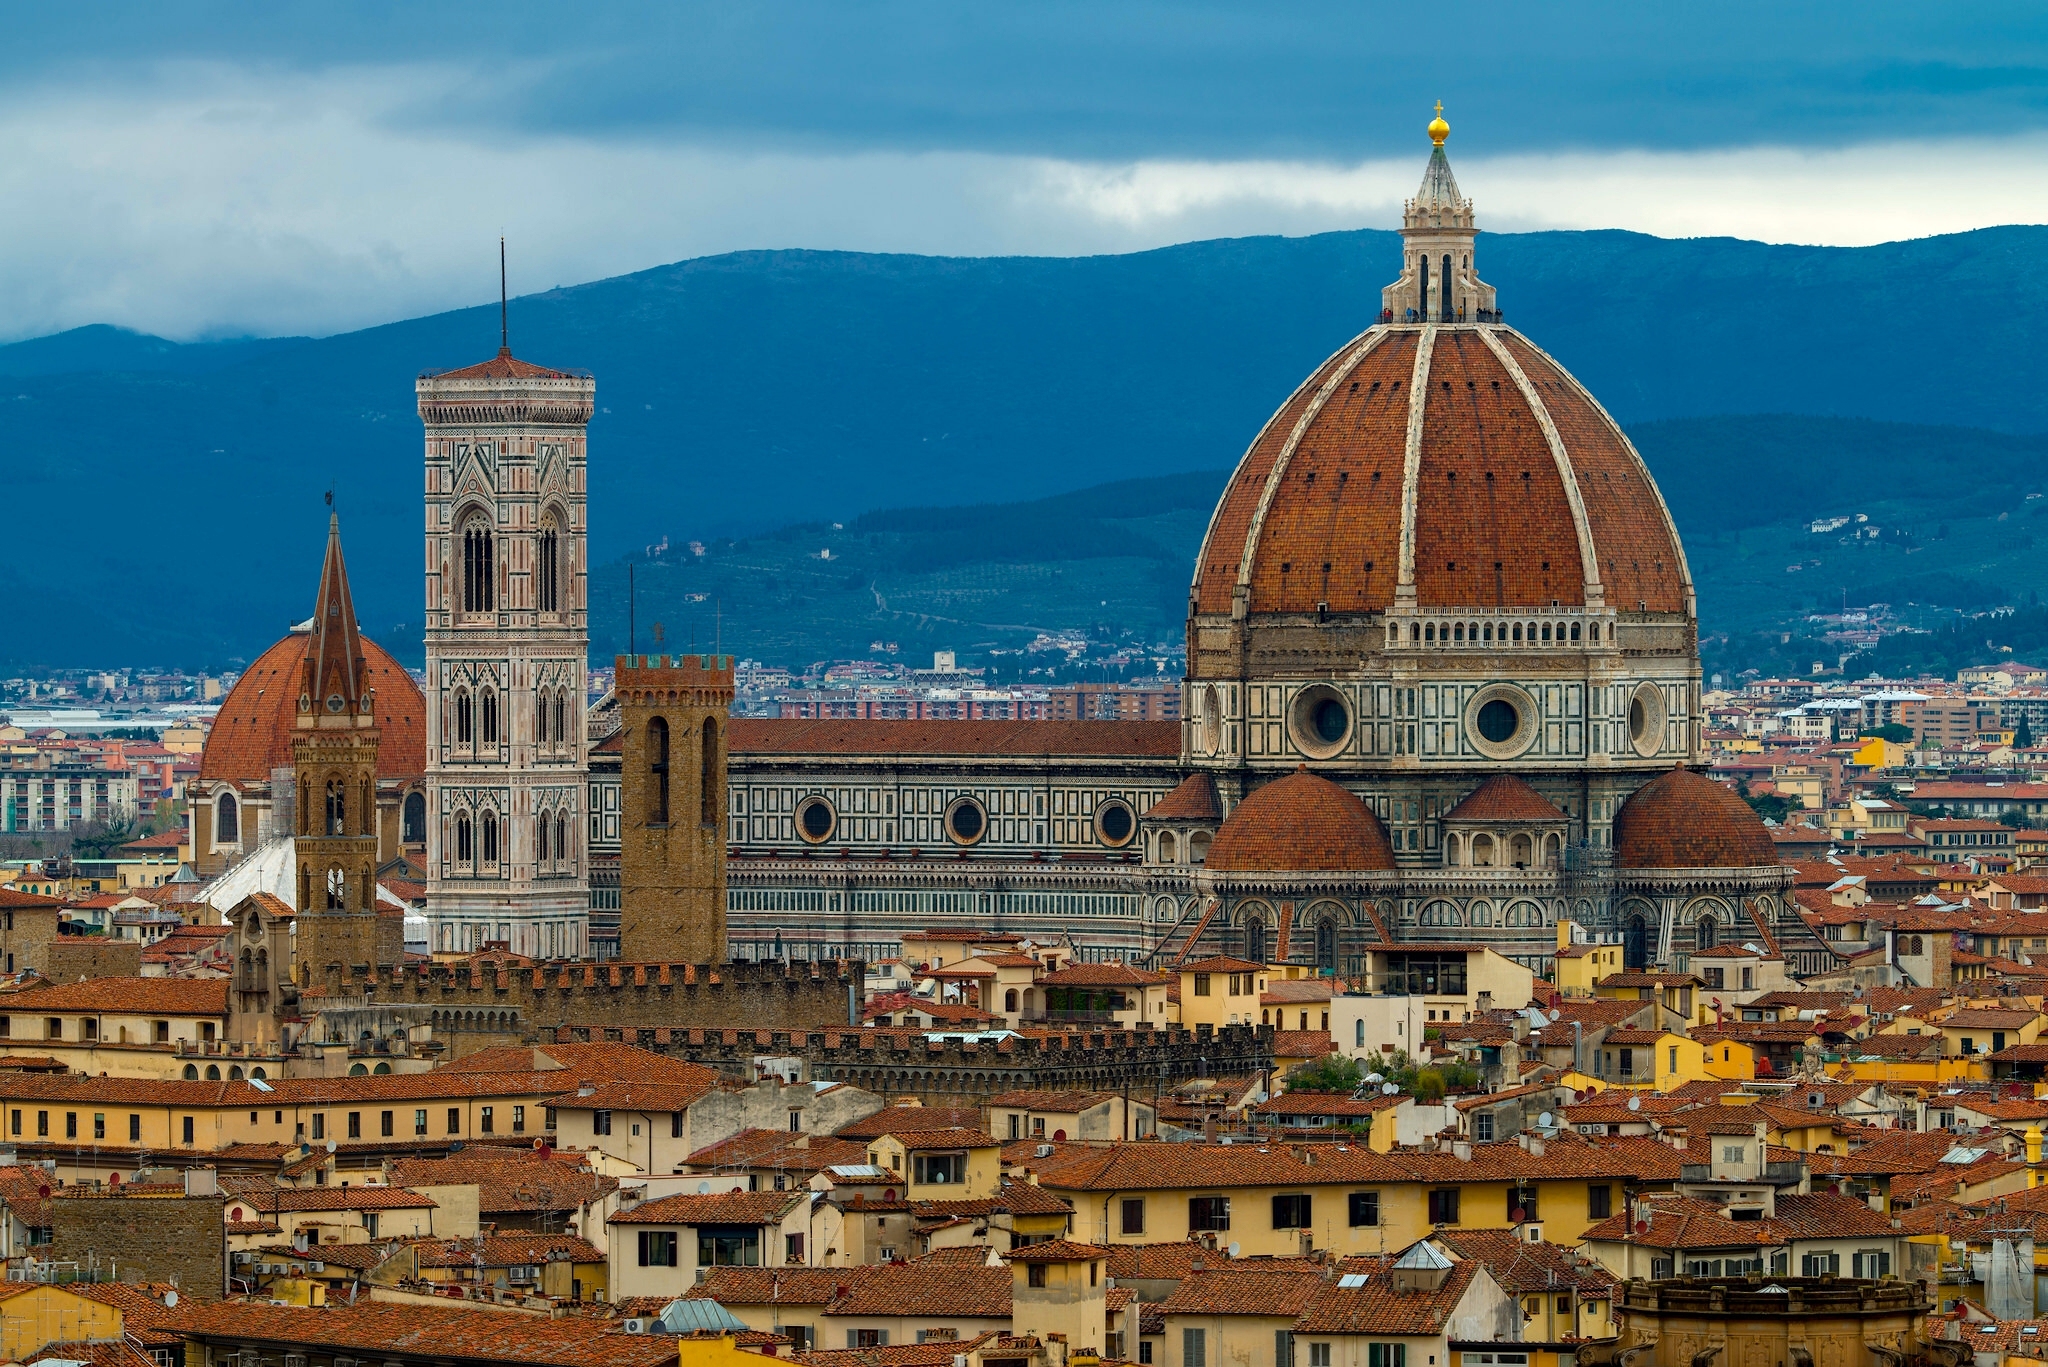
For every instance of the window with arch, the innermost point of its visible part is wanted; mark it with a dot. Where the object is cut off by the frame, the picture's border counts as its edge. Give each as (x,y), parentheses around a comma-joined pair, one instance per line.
(337,889)
(479,575)
(657,771)
(1705,933)
(1481,914)
(1522,850)
(1454,849)
(1440,914)
(1482,851)
(1169,848)
(1523,914)
(1575,633)
(337,807)
(561,728)
(465,845)
(1255,940)
(1326,945)
(707,783)
(488,830)
(227,824)
(542,831)
(465,719)
(1593,632)
(562,839)
(540,718)
(413,819)
(547,565)
(1010,1000)
(1429,631)
(489,709)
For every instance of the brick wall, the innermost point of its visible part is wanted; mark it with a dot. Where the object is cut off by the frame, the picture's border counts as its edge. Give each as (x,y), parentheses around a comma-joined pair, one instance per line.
(672,805)
(144,1238)
(67,958)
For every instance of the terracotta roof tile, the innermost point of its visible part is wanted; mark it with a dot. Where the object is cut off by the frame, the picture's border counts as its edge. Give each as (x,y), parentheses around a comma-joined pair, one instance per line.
(1504,797)
(252,733)
(141,996)
(1684,820)
(711,1208)
(379,1330)
(1300,823)
(1377,1308)
(1194,799)
(1228,1290)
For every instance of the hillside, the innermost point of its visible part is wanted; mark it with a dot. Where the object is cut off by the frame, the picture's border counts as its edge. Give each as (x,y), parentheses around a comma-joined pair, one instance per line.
(172,494)
(1116,558)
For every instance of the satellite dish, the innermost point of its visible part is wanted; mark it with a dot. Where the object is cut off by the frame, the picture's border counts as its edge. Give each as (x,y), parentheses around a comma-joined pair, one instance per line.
(1635,1103)
(171,1300)
(1544,1121)
(1388,1088)
(1233,1248)
(331,1146)
(703,1188)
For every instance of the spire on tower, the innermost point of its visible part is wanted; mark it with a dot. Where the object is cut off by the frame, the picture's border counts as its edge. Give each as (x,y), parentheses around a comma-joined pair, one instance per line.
(334,675)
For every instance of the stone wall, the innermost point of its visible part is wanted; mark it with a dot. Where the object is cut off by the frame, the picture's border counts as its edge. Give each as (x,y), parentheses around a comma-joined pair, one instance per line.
(965,1071)
(67,958)
(145,1238)
(672,805)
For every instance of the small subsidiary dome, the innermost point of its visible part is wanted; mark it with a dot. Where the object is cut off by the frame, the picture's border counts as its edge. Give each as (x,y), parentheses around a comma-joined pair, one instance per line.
(1684,820)
(1301,824)
(252,733)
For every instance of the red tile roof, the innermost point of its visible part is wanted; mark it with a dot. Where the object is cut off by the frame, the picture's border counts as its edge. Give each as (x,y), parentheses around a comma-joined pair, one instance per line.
(505,366)
(1378,1308)
(1504,797)
(252,733)
(1194,800)
(1684,820)
(1228,1290)
(1298,824)
(137,996)
(378,1330)
(711,1208)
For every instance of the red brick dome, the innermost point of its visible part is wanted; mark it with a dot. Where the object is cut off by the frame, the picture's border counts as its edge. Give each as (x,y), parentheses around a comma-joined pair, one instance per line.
(1526,494)
(252,734)
(1301,824)
(1684,820)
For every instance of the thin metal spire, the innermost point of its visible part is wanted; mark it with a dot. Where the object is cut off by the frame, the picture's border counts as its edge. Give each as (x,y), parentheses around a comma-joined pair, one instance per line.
(504,319)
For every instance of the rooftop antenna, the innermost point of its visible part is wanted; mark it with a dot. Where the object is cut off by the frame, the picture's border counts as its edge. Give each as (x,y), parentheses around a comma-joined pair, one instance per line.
(504,318)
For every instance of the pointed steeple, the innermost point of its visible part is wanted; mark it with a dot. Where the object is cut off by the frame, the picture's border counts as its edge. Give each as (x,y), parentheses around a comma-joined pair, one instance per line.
(335,674)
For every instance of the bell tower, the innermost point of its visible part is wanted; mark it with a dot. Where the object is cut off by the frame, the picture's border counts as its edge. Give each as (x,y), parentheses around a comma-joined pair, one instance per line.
(334,767)
(673,807)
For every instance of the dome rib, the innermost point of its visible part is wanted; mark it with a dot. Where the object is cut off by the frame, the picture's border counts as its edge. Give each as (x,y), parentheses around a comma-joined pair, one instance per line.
(1633,458)
(1411,465)
(1589,553)
(1356,351)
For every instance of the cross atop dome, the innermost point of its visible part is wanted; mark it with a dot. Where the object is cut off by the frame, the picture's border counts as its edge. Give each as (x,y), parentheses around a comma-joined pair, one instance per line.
(1438,284)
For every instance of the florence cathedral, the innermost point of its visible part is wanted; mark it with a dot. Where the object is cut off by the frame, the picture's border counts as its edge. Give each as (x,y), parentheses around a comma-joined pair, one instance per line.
(1443,688)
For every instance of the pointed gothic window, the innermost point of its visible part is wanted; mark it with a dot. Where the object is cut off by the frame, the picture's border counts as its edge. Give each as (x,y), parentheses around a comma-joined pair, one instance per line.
(561,716)
(226,825)
(540,718)
(542,830)
(465,720)
(489,842)
(478,575)
(465,850)
(490,717)
(337,807)
(562,839)
(657,766)
(337,890)
(707,790)
(413,827)
(547,569)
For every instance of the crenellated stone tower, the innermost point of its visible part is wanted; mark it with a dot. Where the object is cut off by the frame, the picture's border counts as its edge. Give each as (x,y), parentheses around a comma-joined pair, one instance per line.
(507,639)
(673,801)
(334,767)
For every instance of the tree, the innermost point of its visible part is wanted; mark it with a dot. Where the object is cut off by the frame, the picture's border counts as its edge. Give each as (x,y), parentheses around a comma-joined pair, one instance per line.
(1891,731)
(1330,1073)
(2015,818)
(98,839)
(2023,734)
(1769,806)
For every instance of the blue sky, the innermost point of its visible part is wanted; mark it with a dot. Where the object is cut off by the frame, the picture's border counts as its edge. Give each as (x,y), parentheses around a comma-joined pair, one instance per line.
(233,168)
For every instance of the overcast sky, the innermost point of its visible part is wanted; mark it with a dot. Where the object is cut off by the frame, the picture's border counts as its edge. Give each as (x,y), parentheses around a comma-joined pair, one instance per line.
(226,169)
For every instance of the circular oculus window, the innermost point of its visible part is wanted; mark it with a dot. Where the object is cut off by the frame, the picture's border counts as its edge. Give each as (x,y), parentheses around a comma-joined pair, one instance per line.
(1115,822)
(1320,721)
(816,819)
(1500,721)
(966,822)
(1647,716)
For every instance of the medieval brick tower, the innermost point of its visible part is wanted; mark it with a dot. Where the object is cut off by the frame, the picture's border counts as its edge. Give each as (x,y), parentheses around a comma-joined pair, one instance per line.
(334,764)
(672,818)
(507,638)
